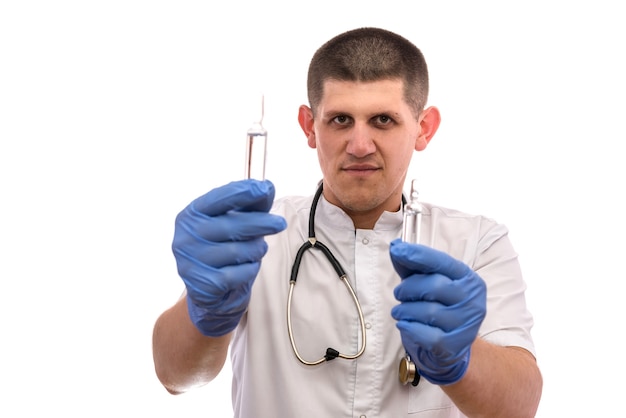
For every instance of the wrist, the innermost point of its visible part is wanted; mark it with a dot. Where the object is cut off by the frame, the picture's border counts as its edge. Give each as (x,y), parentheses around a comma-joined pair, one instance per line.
(211,323)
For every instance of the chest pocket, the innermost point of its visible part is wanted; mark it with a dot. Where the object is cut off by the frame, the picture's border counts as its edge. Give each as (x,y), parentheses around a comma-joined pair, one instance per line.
(428,400)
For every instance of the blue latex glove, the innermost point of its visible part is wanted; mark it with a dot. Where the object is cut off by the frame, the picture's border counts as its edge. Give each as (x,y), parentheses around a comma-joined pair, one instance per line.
(442,304)
(218,245)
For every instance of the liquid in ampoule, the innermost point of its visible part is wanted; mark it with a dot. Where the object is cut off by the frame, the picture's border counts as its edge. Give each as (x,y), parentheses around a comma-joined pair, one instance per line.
(412,217)
(256,149)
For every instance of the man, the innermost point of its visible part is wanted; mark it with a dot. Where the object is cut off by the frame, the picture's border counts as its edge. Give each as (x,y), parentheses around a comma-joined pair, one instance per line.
(307,344)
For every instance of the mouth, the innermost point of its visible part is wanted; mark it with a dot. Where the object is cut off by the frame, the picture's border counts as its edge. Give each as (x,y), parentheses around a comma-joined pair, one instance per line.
(360,169)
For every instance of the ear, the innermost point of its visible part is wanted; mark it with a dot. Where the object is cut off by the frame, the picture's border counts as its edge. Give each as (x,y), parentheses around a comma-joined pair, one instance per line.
(429,123)
(305,118)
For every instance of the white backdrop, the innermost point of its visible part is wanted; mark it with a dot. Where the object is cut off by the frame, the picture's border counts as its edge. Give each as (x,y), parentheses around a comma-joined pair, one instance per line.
(113,115)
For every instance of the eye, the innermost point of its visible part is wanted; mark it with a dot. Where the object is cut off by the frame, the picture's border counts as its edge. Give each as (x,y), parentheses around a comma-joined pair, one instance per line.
(341,120)
(382,120)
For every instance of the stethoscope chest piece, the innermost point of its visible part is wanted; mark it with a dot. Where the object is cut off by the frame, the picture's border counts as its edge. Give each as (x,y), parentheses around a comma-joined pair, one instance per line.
(408,372)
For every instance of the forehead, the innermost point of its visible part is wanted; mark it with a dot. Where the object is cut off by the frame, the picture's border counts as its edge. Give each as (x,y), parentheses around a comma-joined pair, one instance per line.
(387,94)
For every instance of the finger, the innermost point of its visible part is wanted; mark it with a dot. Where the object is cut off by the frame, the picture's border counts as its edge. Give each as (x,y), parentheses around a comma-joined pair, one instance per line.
(430,287)
(203,282)
(423,259)
(232,226)
(431,314)
(434,351)
(232,302)
(244,195)
(416,334)
(220,254)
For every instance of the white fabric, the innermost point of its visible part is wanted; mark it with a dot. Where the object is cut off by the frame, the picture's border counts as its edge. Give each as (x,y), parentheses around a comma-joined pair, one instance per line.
(268,380)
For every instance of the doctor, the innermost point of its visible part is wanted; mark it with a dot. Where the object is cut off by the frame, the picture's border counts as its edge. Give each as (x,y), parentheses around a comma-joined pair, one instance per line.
(455,305)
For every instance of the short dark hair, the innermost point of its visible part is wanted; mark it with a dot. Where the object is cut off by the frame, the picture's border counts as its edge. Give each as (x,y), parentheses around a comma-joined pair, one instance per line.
(369,54)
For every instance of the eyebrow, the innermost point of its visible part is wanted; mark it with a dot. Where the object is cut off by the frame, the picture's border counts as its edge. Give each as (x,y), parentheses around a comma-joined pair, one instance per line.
(336,112)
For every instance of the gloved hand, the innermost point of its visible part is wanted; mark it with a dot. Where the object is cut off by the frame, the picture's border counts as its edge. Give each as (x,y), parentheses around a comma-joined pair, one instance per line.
(218,245)
(442,304)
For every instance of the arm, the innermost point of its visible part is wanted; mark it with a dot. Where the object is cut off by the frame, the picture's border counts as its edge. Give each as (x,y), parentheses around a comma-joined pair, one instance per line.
(499,382)
(442,307)
(218,245)
(183,357)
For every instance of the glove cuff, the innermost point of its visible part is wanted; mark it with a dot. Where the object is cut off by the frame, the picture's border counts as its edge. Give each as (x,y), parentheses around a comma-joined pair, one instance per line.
(209,323)
(446,375)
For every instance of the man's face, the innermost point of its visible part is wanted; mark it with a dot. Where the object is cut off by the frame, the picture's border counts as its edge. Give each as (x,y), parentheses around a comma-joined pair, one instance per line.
(365,135)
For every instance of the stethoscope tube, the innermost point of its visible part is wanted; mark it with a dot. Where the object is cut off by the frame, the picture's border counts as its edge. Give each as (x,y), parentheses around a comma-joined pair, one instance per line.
(407,371)
(312,242)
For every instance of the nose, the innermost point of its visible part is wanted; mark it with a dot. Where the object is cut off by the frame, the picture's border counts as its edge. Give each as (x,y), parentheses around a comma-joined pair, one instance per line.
(361,141)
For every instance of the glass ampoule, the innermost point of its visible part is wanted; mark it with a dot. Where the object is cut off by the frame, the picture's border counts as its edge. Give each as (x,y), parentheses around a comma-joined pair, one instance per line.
(256,148)
(411,226)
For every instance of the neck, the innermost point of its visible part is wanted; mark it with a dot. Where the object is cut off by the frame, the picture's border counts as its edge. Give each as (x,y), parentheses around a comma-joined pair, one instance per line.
(364,216)
(364,220)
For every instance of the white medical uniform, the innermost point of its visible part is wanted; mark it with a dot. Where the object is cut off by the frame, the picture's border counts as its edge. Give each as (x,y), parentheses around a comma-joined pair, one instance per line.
(269,381)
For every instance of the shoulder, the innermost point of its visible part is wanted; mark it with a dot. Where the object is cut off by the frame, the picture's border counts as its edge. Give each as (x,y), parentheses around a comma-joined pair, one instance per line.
(436,210)
(445,214)
(463,235)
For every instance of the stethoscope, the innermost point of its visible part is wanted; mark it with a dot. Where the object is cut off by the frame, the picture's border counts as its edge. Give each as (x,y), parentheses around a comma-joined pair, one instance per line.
(407,371)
